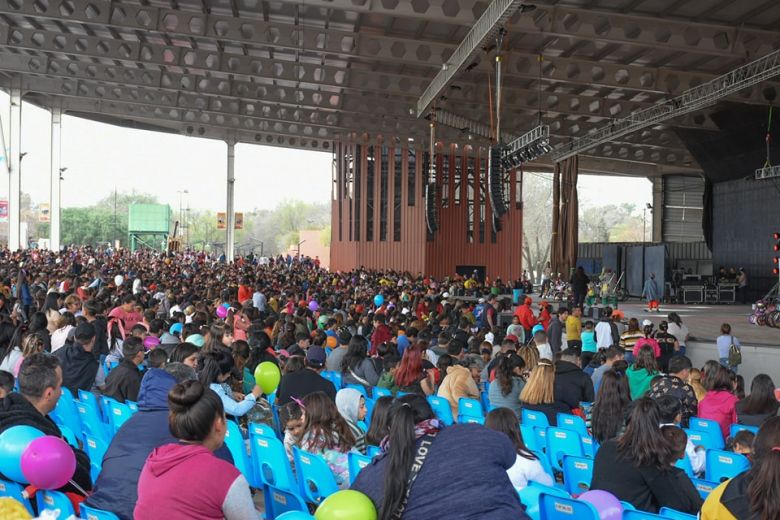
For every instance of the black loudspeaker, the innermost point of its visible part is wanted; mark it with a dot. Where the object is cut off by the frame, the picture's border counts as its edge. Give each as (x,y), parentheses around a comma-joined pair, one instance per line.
(430,208)
(496,180)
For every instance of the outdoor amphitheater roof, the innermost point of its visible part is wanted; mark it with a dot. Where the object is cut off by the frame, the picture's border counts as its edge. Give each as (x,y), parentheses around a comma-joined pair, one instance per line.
(303,74)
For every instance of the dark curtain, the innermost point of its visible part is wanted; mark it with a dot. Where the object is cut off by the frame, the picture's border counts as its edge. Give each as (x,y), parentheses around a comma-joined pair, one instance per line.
(706,221)
(555,246)
(565,217)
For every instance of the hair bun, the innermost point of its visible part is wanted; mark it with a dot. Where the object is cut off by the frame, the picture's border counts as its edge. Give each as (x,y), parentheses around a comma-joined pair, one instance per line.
(185,395)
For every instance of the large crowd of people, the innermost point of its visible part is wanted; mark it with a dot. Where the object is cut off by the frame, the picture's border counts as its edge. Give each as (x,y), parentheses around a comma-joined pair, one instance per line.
(181,334)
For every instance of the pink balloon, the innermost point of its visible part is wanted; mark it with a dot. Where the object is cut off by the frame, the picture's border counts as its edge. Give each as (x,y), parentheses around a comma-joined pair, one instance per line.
(222,312)
(48,462)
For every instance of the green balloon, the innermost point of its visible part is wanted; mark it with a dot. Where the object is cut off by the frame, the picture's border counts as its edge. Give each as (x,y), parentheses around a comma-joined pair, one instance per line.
(346,505)
(267,376)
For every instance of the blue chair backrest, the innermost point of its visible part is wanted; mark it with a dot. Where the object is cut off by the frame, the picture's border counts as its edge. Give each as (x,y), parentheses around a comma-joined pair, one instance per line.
(235,443)
(91,513)
(370,403)
(534,418)
(562,442)
(262,430)
(529,497)
(441,407)
(378,391)
(540,434)
(120,413)
(91,420)
(589,446)
(334,377)
(96,449)
(704,487)
(295,515)
(69,436)
(132,405)
(577,474)
(372,451)
(470,407)
(544,462)
(554,507)
(484,400)
(88,398)
(356,463)
(736,428)
(281,501)
(708,439)
(529,438)
(52,500)
(675,515)
(722,465)
(635,514)
(707,425)
(359,388)
(14,490)
(315,478)
(270,463)
(685,465)
(467,419)
(65,412)
(572,422)
(362,425)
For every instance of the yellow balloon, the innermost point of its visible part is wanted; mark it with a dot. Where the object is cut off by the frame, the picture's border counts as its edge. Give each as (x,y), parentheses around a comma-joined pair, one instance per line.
(267,376)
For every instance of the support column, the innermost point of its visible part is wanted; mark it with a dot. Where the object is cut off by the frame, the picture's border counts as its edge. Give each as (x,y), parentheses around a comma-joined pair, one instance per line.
(55,177)
(230,235)
(15,170)
(658,210)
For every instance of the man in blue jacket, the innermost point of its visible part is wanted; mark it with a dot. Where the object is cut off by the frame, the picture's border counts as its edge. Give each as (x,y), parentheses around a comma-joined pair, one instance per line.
(116,489)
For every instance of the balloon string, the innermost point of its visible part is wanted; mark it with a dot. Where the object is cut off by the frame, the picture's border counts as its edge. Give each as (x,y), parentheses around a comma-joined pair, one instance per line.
(78,488)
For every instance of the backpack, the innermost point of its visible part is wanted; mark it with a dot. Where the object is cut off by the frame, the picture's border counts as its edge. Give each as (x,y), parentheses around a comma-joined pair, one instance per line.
(735,354)
(480,315)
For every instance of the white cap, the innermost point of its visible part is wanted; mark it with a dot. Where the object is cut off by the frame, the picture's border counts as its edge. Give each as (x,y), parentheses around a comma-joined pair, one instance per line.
(482,300)
(489,337)
(647,323)
(445,295)
(404,311)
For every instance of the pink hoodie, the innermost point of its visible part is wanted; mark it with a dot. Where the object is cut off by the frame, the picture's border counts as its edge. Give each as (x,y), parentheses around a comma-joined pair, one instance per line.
(720,406)
(183,481)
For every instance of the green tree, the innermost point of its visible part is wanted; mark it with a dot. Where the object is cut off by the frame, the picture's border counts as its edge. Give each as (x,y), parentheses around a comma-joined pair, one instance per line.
(537,222)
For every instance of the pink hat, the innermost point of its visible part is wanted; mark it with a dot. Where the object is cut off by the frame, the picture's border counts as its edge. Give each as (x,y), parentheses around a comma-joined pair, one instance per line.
(151,341)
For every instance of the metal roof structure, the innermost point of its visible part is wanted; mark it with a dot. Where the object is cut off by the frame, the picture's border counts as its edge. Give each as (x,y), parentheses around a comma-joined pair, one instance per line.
(306,73)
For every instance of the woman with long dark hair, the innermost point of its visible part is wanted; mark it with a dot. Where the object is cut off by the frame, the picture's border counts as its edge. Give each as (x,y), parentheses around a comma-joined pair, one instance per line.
(638,467)
(761,404)
(527,466)
(428,472)
(51,309)
(410,377)
(186,353)
(505,390)
(356,367)
(608,415)
(379,427)
(38,325)
(679,330)
(642,372)
(327,434)
(751,495)
(216,489)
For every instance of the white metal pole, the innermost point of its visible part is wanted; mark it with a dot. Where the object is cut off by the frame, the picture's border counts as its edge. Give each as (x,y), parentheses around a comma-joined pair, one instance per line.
(55,175)
(15,167)
(231,216)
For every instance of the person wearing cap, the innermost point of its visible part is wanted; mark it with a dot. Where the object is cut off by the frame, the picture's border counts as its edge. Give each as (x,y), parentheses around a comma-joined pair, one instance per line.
(333,363)
(196,339)
(79,365)
(306,381)
(124,382)
(526,316)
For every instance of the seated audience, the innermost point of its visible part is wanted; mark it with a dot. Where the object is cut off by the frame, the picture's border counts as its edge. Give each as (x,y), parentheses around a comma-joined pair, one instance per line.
(719,404)
(761,404)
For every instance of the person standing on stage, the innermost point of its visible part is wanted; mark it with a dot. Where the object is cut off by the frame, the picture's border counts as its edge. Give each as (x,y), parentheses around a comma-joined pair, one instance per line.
(651,293)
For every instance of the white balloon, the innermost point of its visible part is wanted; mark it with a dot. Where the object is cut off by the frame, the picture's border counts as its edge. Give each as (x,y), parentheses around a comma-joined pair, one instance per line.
(119,280)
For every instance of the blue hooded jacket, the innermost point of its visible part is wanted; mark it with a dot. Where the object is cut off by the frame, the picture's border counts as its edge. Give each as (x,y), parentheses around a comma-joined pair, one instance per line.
(116,489)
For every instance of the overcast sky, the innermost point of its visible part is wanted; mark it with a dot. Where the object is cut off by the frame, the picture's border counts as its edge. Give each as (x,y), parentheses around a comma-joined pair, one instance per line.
(101,157)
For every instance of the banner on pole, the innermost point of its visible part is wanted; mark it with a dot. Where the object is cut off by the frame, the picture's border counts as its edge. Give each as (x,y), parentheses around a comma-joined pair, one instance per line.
(221,220)
(43,212)
(239,221)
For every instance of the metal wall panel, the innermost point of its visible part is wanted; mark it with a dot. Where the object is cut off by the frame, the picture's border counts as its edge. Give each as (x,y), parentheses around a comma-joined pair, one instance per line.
(683,208)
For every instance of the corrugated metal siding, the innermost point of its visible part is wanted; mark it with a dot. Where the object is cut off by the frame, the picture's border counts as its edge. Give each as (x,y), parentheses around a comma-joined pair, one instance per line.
(683,208)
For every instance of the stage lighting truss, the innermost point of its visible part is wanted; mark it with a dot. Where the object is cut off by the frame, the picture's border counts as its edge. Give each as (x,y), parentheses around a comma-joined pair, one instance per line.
(768,172)
(527,148)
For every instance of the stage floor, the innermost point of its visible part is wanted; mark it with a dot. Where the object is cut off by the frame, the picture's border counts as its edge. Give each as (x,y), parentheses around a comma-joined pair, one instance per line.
(704,321)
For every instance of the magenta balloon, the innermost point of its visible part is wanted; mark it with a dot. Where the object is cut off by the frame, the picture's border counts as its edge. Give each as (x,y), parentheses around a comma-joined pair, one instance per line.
(48,462)
(222,312)
(607,504)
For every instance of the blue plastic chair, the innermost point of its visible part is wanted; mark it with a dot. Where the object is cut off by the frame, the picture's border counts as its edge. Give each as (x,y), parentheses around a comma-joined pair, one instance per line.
(270,463)
(441,407)
(90,399)
(468,407)
(540,434)
(529,497)
(710,440)
(132,405)
(362,425)
(721,465)
(91,513)
(484,400)
(91,419)
(262,430)
(685,465)
(562,442)
(553,507)
(529,438)
(69,436)
(372,451)
(237,447)
(378,391)
(577,474)
(120,413)
(572,422)
(279,502)
(736,428)
(635,514)
(15,490)
(359,388)
(295,515)
(709,426)
(466,419)
(356,463)
(675,515)
(704,487)
(315,478)
(65,412)
(370,403)
(54,500)
(627,506)
(534,418)
(589,446)
(334,377)
(542,458)
(96,450)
